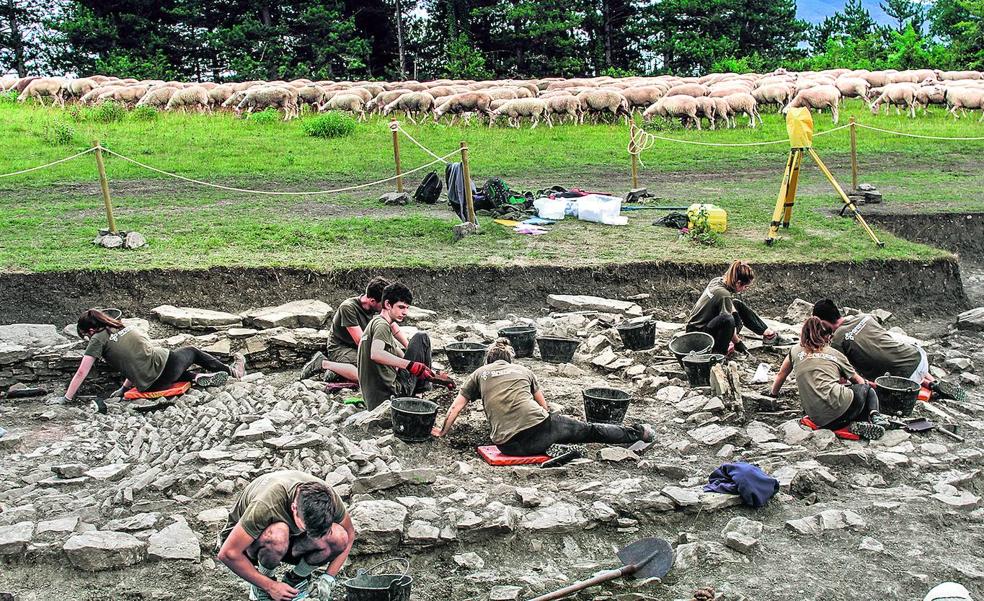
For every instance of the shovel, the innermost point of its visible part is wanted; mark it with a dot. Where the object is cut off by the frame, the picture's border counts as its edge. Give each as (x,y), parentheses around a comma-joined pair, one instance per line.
(914,425)
(645,558)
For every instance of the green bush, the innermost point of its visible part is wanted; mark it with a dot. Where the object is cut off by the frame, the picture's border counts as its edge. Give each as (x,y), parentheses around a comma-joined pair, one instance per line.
(266,116)
(107,112)
(58,133)
(699,232)
(8,97)
(144,113)
(329,125)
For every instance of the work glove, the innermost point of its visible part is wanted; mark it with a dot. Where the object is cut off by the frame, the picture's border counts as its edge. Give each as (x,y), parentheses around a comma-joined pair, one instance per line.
(119,392)
(741,348)
(420,370)
(58,400)
(443,379)
(324,587)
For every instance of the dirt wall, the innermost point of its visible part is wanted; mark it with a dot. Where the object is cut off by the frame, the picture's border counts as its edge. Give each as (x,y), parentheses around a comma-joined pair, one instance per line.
(961,233)
(907,288)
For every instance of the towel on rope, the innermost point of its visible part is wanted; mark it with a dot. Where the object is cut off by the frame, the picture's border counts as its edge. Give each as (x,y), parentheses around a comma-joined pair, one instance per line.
(748,481)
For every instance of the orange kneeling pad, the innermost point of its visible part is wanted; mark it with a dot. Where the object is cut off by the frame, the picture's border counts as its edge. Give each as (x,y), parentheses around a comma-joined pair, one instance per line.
(844,433)
(925,395)
(493,456)
(176,389)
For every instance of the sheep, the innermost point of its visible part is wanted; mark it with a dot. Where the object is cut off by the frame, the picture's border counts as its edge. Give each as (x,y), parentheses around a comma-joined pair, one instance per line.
(694,89)
(385,97)
(92,97)
(77,88)
(670,107)
(955,75)
(157,97)
(599,102)
(501,93)
(352,103)
(129,95)
(561,105)
(515,110)
(311,95)
(964,98)
(411,103)
(233,101)
(818,98)
(43,87)
(778,93)
(219,94)
(722,110)
(363,93)
(193,97)
(897,94)
(23,82)
(853,87)
(706,108)
(461,103)
(7,82)
(722,91)
(276,97)
(640,97)
(932,94)
(744,103)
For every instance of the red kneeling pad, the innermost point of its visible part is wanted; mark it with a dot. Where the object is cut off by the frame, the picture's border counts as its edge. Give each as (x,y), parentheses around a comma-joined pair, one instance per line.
(493,456)
(844,433)
(176,389)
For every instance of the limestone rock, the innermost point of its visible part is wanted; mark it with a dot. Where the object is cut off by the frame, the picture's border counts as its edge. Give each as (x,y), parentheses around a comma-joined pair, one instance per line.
(703,555)
(140,521)
(567,302)
(713,434)
(395,198)
(742,534)
(31,335)
(617,454)
(177,541)
(422,532)
(258,430)
(798,311)
(217,515)
(304,440)
(469,561)
(308,313)
(831,519)
(69,470)
(192,318)
(109,473)
(378,525)
(505,593)
(14,539)
(870,544)
(110,241)
(559,517)
(97,550)
(793,432)
(971,320)
(682,497)
(419,314)
(134,240)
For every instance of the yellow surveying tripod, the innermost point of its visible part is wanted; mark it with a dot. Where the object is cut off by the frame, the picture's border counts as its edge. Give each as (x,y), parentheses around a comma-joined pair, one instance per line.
(799,124)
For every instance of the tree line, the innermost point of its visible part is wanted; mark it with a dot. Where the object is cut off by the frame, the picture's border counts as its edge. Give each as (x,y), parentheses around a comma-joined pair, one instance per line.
(427,39)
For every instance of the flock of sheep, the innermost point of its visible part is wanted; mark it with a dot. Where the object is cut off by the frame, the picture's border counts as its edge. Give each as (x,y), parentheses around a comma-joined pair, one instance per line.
(719,98)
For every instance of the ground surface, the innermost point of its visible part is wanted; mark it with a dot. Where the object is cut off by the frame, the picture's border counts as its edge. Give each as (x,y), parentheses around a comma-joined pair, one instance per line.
(49,217)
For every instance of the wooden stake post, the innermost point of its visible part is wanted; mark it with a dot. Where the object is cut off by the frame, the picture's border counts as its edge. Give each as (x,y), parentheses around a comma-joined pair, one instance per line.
(104,184)
(466,174)
(394,127)
(634,151)
(854,154)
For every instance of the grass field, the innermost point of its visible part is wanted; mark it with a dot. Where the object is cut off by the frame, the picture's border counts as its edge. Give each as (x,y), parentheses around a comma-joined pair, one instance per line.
(48,218)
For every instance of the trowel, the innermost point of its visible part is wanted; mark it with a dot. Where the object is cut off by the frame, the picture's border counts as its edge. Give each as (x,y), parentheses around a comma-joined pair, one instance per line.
(645,558)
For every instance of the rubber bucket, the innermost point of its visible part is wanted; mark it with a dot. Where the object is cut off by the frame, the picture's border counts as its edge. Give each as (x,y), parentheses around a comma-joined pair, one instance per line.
(605,405)
(554,349)
(465,357)
(379,587)
(522,339)
(413,419)
(698,368)
(896,396)
(698,343)
(113,313)
(637,334)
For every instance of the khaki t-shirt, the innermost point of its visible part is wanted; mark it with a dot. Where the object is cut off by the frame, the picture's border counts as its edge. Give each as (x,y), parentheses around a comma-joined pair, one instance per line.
(377,381)
(818,376)
(715,300)
(349,314)
(506,390)
(267,500)
(872,349)
(130,352)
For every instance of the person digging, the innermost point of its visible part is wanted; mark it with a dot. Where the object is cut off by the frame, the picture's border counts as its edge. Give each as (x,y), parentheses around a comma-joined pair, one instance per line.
(388,368)
(821,375)
(347,328)
(723,316)
(875,352)
(146,367)
(287,517)
(518,413)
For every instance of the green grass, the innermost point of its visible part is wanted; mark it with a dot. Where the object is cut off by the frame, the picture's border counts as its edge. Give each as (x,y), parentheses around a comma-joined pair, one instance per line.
(48,218)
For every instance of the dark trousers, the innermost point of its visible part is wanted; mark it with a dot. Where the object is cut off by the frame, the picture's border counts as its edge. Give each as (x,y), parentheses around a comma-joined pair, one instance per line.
(561,429)
(865,401)
(178,362)
(724,327)
(418,351)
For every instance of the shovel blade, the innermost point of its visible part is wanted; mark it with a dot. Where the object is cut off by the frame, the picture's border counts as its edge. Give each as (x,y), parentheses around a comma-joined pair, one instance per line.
(652,556)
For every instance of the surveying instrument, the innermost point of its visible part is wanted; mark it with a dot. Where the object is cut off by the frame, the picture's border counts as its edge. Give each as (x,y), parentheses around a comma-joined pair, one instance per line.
(799,124)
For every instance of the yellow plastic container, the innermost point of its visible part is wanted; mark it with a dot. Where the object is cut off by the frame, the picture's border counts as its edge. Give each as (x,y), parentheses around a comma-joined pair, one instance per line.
(717,217)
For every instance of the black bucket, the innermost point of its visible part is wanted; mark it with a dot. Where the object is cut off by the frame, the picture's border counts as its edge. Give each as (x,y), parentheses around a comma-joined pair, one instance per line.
(554,349)
(638,334)
(896,396)
(605,405)
(381,587)
(522,339)
(413,419)
(698,343)
(465,357)
(698,368)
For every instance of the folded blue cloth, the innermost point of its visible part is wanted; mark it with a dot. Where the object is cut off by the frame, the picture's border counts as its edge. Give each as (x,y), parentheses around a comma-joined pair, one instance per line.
(754,486)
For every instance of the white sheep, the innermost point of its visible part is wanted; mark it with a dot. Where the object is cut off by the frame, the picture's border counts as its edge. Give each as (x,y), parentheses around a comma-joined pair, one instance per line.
(458,104)
(706,108)
(157,97)
(641,97)
(563,105)
(778,94)
(897,94)
(195,97)
(377,104)
(964,98)
(674,107)
(599,102)
(853,87)
(412,104)
(818,98)
(350,103)
(44,87)
(688,89)
(516,109)
(743,102)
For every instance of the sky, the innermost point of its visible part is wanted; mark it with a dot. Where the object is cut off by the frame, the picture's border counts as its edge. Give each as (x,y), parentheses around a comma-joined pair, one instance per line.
(814,11)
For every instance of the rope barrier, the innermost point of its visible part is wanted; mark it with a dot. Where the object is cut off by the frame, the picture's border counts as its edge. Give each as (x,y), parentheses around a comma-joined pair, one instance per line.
(412,139)
(645,140)
(268,193)
(52,164)
(898,133)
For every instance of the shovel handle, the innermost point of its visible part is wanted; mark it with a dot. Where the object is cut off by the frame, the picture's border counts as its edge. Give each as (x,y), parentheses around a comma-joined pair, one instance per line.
(580,586)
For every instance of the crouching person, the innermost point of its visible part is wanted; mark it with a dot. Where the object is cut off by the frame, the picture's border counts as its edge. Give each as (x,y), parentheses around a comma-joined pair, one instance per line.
(821,376)
(518,413)
(286,517)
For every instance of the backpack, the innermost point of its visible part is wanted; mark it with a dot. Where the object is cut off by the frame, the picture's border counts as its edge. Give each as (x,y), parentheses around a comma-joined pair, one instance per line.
(498,194)
(429,190)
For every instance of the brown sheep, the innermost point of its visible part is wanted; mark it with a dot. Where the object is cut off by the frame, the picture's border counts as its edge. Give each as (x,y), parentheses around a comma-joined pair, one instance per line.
(377,104)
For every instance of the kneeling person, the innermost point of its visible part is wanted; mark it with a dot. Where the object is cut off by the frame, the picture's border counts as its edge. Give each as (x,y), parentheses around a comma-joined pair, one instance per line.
(286,517)
(518,413)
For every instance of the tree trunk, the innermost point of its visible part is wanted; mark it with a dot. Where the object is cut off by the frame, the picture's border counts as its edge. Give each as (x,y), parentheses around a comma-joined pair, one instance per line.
(20,62)
(399,40)
(606,24)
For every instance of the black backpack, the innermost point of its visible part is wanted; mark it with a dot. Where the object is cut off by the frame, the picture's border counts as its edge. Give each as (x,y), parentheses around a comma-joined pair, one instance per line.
(429,190)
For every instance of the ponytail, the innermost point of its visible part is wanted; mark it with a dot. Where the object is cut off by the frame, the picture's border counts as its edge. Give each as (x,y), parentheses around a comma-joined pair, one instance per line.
(94,319)
(815,334)
(501,350)
(740,272)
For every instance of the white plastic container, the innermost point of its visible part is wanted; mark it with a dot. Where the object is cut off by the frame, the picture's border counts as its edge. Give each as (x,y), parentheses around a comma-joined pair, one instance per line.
(601,209)
(550,208)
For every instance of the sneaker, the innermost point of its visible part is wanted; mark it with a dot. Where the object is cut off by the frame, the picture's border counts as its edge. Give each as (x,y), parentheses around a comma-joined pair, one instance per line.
(313,366)
(948,390)
(258,594)
(880,419)
(216,379)
(556,450)
(646,433)
(867,430)
(239,366)
(100,406)
(776,340)
(301,583)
